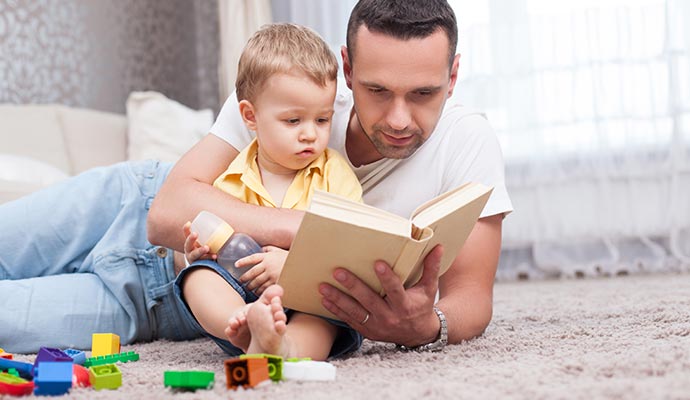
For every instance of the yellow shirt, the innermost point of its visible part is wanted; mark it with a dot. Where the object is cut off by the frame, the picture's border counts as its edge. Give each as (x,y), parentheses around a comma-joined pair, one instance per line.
(330,172)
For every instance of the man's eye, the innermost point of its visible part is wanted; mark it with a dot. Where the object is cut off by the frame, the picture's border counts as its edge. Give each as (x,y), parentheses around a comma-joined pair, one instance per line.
(424,93)
(375,90)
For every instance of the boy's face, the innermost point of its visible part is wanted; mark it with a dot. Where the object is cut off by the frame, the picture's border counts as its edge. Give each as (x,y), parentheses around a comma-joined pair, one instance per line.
(292,120)
(399,88)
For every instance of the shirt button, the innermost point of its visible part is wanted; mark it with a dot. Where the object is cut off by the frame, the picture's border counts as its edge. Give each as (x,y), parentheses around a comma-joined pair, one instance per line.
(162,252)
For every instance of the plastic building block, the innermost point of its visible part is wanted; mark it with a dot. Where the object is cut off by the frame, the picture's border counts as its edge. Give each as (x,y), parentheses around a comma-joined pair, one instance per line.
(15,386)
(103,344)
(309,371)
(6,356)
(13,371)
(25,370)
(105,376)
(51,354)
(275,364)
(247,372)
(77,356)
(80,376)
(112,359)
(53,378)
(190,380)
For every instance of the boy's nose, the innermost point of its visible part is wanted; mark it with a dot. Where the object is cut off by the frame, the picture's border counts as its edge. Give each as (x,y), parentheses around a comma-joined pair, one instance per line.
(308,133)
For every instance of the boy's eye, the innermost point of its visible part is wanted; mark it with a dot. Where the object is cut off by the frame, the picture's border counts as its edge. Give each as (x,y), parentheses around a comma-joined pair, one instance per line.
(292,121)
(322,120)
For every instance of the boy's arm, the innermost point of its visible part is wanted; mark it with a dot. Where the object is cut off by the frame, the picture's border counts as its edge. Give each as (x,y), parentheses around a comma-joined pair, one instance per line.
(189,190)
(405,316)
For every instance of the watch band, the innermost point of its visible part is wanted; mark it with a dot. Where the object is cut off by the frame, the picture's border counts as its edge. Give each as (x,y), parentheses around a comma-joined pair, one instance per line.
(440,342)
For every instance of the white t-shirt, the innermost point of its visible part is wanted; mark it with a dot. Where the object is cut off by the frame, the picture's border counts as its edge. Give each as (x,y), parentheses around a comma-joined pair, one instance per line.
(462,148)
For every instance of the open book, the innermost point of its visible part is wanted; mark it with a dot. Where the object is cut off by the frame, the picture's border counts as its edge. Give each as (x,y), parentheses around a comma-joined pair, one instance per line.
(337,232)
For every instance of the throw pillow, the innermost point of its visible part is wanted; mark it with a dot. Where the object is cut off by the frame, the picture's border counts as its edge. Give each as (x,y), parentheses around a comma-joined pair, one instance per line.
(161,128)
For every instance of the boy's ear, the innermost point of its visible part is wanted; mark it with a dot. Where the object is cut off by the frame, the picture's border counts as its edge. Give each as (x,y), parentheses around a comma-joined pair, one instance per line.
(248,114)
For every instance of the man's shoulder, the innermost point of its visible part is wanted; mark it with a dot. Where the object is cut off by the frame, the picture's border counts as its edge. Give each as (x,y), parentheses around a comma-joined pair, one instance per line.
(459,113)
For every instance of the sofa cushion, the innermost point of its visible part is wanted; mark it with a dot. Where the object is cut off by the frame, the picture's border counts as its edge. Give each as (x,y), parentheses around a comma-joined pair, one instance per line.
(163,129)
(34,131)
(93,138)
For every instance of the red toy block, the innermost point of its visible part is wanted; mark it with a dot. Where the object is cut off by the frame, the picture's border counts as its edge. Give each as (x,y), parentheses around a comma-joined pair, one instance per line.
(15,386)
(247,372)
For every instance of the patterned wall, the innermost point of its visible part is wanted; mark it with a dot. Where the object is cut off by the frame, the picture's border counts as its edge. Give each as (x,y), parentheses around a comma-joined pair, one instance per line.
(94,53)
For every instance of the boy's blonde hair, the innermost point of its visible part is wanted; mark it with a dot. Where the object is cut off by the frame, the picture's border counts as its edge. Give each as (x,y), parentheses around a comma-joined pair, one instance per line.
(283,48)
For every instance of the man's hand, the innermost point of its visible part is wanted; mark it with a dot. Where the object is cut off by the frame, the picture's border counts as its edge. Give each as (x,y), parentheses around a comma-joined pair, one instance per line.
(266,269)
(403,316)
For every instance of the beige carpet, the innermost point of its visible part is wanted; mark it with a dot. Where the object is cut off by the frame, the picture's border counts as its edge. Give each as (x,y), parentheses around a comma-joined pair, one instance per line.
(616,338)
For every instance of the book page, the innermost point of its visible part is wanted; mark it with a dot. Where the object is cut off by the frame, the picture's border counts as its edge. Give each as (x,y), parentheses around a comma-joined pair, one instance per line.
(340,208)
(438,207)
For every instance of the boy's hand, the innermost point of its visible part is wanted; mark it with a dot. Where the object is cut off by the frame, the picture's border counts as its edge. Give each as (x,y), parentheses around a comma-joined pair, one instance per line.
(193,250)
(266,271)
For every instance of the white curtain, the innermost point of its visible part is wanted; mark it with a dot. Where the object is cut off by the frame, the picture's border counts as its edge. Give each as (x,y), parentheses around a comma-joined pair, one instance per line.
(591,102)
(327,17)
(239,19)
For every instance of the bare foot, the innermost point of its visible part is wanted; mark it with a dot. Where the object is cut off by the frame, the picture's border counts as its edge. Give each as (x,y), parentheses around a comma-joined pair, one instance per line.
(267,323)
(238,331)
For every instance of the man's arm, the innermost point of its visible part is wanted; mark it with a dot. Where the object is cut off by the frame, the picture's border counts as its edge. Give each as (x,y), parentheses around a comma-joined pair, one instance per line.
(406,316)
(189,190)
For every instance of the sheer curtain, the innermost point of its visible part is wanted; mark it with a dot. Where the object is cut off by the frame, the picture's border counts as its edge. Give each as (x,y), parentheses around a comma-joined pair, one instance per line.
(328,18)
(591,102)
(239,19)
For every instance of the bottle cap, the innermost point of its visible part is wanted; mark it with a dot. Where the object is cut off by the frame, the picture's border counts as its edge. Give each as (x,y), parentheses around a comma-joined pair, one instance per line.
(213,231)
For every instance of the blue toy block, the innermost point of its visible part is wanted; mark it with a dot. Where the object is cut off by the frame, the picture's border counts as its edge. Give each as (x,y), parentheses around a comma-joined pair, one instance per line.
(78,356)
(53,378)
(51,354)
(25,370)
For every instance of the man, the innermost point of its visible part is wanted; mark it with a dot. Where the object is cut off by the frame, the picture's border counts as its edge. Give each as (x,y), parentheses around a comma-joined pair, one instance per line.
(405,146)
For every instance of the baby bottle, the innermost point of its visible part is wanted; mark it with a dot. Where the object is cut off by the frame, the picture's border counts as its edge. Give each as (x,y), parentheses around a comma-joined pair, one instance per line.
(221,239)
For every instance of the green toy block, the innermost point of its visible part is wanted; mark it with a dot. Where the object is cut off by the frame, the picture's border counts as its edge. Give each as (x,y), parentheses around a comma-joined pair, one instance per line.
(105,376)
(190,380)
(298,359)
(112,358)
(275,364)
(13,371)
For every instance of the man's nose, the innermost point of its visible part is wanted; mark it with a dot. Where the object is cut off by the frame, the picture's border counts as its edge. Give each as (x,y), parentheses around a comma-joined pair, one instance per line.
(399,117)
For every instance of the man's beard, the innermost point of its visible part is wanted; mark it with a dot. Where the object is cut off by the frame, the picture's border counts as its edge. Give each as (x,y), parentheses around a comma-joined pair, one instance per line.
(391,151)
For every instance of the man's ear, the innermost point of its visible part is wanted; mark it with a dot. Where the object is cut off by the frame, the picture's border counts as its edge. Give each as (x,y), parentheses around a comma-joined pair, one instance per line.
(453,74)
(248,114)
(347,67)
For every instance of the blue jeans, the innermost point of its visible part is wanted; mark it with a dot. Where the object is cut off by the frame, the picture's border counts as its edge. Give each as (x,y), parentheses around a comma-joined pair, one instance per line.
(75,260)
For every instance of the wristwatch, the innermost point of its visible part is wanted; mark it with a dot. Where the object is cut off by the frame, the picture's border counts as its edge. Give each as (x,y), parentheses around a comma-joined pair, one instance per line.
(440,342)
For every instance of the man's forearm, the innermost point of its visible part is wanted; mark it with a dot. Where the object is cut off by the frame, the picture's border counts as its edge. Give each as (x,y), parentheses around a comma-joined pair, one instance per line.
(265,225)
(468,312)
(188,190)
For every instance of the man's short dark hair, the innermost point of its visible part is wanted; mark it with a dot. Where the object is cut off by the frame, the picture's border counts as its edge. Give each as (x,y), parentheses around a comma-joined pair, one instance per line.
(403,19)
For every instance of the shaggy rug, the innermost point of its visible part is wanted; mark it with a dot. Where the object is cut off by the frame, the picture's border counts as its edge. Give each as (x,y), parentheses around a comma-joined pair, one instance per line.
(626,337)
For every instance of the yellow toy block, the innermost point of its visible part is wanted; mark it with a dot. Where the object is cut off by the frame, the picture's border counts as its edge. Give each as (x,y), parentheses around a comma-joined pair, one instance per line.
(103,344)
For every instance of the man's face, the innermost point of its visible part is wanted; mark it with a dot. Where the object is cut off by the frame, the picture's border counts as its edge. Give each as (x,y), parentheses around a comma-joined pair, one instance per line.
(399,88)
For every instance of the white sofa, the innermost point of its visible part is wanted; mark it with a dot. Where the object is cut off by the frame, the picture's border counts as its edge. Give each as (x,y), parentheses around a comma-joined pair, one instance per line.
(41,144)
